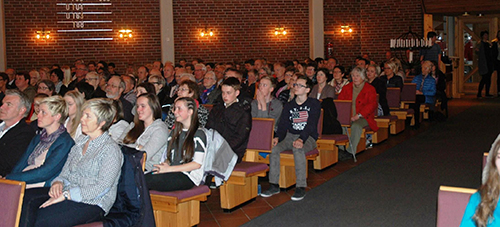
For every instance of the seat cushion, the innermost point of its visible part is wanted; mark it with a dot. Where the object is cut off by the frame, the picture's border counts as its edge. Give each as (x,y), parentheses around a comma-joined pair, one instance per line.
(198,190)
(250,167)
(309,153)
(336,137)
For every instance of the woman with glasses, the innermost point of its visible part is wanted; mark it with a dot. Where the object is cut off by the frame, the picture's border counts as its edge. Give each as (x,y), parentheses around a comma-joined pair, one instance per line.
(390,76)
(46,87)
(338,81)
(188,88)
(57,77)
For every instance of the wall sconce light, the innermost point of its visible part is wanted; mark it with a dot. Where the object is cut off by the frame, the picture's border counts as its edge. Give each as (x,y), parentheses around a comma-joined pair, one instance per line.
(280,31)
(43,35)
(125,33)
(345,28)
(206,32)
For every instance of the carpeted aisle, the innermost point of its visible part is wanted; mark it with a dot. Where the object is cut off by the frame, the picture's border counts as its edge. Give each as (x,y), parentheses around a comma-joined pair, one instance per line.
(399,187)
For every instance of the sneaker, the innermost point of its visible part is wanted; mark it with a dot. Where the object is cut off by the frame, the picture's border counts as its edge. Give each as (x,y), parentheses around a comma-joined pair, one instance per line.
(273,190)
(299,194)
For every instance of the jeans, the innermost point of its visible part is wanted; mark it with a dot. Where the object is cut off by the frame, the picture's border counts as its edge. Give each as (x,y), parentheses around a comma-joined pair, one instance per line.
(68,213)
(299,157)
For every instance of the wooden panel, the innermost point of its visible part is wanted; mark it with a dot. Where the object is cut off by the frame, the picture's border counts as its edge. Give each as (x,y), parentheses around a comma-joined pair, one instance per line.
(188,215)
(232,195)
(326,158)
(458,7)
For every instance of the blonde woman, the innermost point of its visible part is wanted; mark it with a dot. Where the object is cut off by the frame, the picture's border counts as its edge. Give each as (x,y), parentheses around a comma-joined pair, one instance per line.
(74,101)
(482,208)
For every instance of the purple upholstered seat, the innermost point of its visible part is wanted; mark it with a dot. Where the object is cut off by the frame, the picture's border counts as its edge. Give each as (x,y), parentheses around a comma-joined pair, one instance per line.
(262,134)
(336,137)
(10,200)
(393,97)
(409,92)
(93,224)
(390,117)
(309,153)
(183,193)
(250,167)
(451,207)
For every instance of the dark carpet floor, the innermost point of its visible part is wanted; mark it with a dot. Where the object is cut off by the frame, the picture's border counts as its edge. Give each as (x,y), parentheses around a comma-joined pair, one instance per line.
(399,187)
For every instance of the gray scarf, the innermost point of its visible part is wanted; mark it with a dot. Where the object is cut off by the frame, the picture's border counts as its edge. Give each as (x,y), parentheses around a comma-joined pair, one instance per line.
(45,142)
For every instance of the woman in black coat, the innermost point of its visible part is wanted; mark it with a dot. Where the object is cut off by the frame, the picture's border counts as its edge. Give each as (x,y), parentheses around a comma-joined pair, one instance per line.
(380,86)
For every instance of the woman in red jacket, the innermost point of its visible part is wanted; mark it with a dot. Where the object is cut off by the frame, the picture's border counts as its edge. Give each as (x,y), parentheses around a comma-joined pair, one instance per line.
(364,103)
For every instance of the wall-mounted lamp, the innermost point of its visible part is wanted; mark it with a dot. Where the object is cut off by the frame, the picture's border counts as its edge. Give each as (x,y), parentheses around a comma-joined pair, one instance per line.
(43,35)
(206,32)
(125,33)
(345,28)
(280,31)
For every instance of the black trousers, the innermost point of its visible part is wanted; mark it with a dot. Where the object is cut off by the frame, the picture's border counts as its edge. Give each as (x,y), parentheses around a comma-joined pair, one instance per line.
(167,182)
(416,107)
(485,81)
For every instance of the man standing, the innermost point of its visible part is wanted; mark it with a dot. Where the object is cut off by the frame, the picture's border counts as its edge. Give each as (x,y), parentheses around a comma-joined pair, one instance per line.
(434,53)
(297,131)
(15,134)
(114,90)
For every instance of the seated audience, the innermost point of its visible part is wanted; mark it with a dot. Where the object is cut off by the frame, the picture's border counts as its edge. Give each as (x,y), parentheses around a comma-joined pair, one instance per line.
(279,71)
(180,167)
(74,102)
(129,92)
(483,208)
(34,77)
(147,132)
(322,90)
(210,92)
(46,87)
(265,105)
(15,134)
(114,90)
(86,89)
(85,190)
(232,118)
(390,76)
(57,77)
(297,131)
(372,75)
(338,81)
(23,84)
(311,71)
(4,79)
(33,115)
(144,88)
(426,90)
(251,82)
(159,82)
(364,103)
(94,79)
(188,88)
(119,124)
(47,151)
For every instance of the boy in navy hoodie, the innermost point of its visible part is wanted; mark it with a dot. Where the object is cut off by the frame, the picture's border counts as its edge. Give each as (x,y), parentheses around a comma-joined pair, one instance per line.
(297,131)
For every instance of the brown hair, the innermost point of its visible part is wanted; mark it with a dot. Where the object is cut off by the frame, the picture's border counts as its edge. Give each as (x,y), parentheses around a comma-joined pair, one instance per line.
(139,128)
(188,146)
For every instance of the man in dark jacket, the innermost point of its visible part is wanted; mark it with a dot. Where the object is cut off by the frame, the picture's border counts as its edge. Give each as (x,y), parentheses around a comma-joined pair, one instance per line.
(15,134)
(232,118)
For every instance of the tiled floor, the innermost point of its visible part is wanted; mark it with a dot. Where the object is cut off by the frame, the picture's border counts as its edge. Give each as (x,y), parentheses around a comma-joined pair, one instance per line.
(211,214)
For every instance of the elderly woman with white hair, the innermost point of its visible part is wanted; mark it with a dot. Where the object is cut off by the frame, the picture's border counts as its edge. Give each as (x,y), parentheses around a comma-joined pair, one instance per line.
(364,103)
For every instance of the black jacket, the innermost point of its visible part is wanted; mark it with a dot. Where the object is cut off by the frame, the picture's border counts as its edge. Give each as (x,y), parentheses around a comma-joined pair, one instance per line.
(233,123)
(381,89)
(13,145)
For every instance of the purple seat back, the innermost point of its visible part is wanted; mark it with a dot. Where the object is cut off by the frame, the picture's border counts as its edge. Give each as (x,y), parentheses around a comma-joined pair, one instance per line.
(451,205)
(344,111)
(393,97)
(261,135)
(409,92)
(320,124)
(93,224)
(11,200)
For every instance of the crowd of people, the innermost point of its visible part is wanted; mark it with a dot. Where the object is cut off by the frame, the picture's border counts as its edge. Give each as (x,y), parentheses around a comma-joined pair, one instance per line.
(62,128)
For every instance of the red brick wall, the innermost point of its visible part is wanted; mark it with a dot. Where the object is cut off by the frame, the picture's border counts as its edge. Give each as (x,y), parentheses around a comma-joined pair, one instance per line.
(243,29)
(24,17)
(375,22)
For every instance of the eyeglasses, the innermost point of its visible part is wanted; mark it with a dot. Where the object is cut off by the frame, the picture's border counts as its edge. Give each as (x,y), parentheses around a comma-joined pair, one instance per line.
(43,88)
(299,85)
(183,89)
(87,79)
(111,85)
